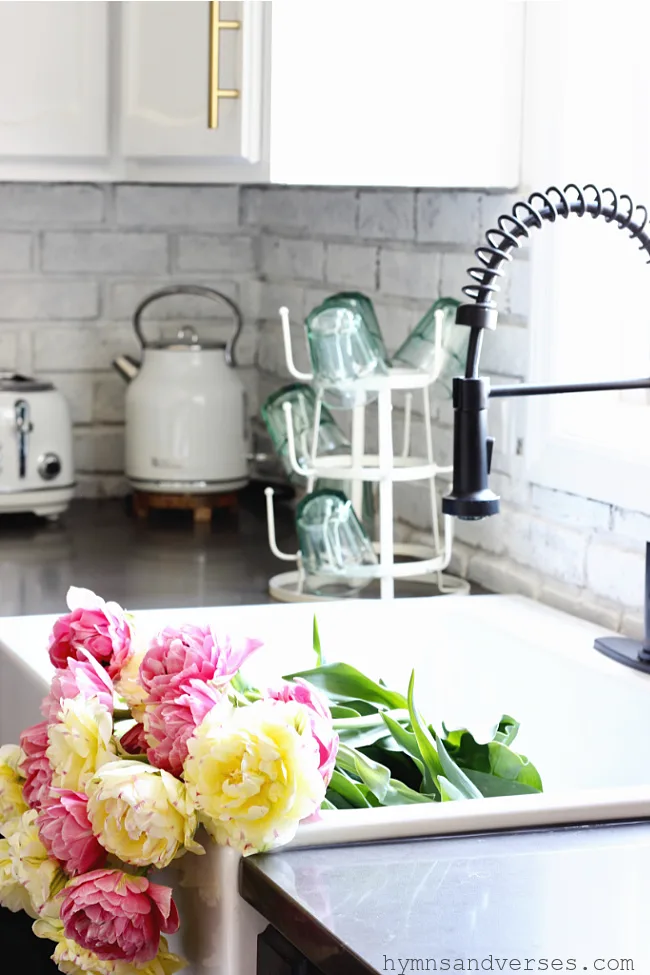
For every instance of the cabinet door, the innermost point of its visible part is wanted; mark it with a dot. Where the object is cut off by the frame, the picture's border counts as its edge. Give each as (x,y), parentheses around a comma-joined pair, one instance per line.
(397,94)
(171,69)
(53,80)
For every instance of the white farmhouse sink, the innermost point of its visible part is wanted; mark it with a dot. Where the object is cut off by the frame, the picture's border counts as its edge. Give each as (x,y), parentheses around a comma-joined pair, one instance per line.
(585,723)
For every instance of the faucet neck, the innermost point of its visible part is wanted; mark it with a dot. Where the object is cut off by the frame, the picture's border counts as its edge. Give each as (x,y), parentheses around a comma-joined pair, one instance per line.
(512,228)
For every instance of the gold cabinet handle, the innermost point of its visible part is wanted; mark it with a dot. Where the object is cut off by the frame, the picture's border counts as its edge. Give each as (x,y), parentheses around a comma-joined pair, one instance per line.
(214,91)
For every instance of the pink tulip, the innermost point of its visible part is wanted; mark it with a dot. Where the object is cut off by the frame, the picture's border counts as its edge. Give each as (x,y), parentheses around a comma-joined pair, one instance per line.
(320,720)
(118,916)
(67,835)
(169,725)
(36,766)
(134,741)
(96,626)
(82,676)
(185,671)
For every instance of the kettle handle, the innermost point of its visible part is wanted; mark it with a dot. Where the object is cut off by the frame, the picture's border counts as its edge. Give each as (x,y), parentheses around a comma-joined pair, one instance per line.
(202,292)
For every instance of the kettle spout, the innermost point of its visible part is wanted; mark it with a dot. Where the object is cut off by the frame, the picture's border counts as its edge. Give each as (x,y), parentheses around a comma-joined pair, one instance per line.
(127,367)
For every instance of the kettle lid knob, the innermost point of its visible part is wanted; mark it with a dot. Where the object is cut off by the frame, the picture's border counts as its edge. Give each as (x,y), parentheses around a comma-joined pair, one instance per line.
(188,334)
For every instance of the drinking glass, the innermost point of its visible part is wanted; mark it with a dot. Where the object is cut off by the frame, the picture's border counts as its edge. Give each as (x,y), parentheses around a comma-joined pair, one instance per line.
(331,438)
(332,541)
(419,349)
(345,345)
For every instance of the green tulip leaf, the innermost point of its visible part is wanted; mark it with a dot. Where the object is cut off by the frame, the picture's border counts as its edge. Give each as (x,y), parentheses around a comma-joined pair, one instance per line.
(316,643)
(448,790)
(455,775)
(398,794)
(506,731)
(347,683)
(491,785)
(344,786)
(506,764)
(373,774)
(425,743)
(405,739)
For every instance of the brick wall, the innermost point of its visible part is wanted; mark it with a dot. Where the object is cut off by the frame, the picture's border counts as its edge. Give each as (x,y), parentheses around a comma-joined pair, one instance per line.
(74,262)
(76,259)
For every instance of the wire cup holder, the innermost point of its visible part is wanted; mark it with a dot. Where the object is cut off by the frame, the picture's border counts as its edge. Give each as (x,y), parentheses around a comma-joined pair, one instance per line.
(424,563)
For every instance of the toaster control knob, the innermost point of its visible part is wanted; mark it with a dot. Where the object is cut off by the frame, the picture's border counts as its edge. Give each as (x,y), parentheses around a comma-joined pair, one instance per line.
(49,466)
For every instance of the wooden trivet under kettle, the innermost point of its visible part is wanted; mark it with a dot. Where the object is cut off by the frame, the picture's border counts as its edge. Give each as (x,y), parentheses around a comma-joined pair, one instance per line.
(201,505)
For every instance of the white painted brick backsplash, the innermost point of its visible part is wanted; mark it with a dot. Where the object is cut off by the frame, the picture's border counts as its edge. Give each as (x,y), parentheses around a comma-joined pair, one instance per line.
(108,398)
(351,265)
(516,288)
(552,549)
(634,625)
(271,296)
(387,215)
(15,252)
(490,534)
(294,260)
(100,485)
(78,391)
(177,206)
(99,449)
(413,504)
(571,509)
(270,352)
(8,351)
(505,351)
(41,204)
(571,599)
(122,298)
(92,347)
(492,206)
(409,273)
(614,571)
(45,299)
(397,318)
(632,525)
(207,252)
(503,575)
(104,252)
(448,218)
(453,274)
(317,212)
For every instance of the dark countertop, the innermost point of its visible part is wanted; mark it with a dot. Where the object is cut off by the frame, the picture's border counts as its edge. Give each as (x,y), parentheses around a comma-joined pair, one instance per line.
(573,896)
(164,562)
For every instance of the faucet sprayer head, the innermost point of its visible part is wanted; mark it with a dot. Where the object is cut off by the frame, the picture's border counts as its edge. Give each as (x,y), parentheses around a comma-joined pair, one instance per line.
(471,499)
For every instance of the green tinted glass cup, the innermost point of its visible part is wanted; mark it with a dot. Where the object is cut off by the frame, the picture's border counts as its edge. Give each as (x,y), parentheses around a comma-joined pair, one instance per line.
(419,349)
(331,439)
(345,345)
(332,541)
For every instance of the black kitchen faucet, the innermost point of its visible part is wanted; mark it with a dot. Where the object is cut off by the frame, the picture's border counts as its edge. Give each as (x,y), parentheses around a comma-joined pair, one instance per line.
(471,497)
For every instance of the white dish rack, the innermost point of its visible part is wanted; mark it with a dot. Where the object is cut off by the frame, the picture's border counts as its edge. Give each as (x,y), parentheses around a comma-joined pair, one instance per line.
(417,562)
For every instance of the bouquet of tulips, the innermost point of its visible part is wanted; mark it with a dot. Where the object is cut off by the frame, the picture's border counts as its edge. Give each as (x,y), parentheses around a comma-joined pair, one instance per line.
(141,745)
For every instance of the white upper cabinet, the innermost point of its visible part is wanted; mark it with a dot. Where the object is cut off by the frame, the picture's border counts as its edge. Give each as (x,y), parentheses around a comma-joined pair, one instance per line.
(331,92)
(401,94)
(53,84)
(193,87)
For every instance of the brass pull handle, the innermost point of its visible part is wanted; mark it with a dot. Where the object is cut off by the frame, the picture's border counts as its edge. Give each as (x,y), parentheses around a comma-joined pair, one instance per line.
(214,91)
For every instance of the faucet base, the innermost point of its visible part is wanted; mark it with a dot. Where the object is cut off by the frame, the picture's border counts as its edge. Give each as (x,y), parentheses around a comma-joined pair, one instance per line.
(631,653)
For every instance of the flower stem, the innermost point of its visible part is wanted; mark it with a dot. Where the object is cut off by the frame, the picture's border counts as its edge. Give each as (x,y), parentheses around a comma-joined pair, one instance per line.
(369,720)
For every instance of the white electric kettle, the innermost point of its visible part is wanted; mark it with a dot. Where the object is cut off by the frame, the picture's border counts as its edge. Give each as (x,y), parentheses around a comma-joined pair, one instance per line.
(186,415)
